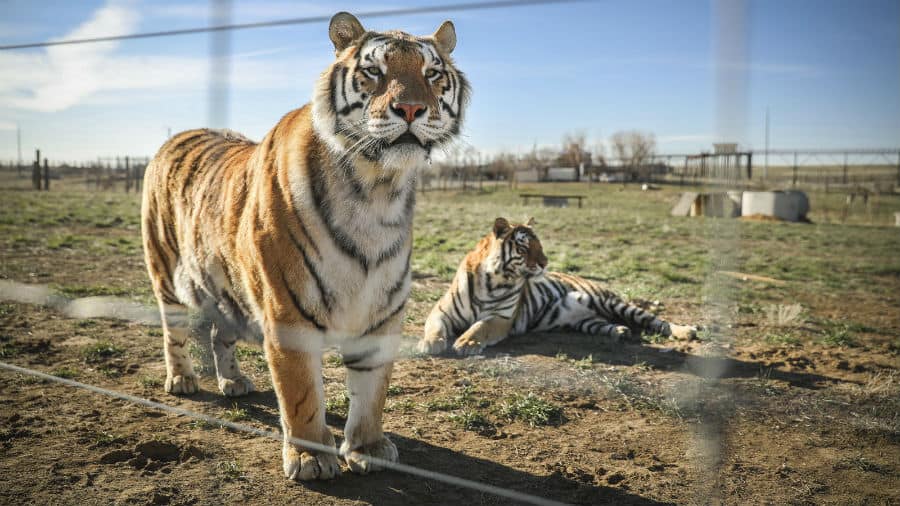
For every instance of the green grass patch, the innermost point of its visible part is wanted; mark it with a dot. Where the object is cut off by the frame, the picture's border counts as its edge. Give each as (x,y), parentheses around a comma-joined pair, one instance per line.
(532,410)
(782,338)
(76,290)
(654,338)
(149,382)
(230,470)
(104,438)
(338,404)
(252,357)
(235,414)
(101,351)
(66,372)
(402,405)
(472,421)
(839,335)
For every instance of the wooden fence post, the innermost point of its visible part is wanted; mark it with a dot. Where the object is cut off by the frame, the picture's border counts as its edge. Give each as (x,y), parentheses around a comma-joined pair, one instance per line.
(794,182)
(46,175)
(127,175)
(845,168)
(139,180)
(36,170)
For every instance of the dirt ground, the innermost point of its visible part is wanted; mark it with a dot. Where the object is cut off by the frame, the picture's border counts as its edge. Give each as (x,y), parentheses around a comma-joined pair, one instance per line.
(738,421)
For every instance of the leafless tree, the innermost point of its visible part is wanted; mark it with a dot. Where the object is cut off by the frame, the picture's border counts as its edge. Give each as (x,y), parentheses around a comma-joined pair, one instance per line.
(598,158)
(574,152)
(541,159)
(503,166)
(633,148)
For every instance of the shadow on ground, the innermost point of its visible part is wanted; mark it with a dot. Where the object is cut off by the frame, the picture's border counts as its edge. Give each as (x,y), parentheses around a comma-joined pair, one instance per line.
(391,487)
(579,346)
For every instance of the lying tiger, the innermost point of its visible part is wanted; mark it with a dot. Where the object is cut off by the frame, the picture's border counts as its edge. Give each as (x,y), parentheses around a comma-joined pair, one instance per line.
(501,289)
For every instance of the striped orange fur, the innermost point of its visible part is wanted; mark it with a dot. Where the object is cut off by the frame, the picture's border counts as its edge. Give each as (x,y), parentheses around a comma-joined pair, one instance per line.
(502,288)
(304,239)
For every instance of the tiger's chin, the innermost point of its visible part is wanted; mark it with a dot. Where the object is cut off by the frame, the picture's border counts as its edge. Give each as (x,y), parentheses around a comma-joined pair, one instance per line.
(401,157)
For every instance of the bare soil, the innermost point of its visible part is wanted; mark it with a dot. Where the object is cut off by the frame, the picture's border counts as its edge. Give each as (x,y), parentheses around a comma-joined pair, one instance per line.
(737,421)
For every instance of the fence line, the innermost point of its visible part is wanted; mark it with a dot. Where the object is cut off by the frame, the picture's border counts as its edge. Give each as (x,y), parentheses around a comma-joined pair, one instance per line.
(311,445)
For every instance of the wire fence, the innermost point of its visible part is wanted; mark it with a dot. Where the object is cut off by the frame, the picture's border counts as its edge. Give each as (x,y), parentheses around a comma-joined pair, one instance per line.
(302,443)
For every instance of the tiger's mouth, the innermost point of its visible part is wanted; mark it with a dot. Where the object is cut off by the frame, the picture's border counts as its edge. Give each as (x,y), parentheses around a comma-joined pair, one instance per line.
(407,137)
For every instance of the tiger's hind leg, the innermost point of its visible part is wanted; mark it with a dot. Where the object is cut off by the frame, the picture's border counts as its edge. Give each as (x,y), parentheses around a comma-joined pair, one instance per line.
(595,325)
(231,381)
(638,318)
(177,328)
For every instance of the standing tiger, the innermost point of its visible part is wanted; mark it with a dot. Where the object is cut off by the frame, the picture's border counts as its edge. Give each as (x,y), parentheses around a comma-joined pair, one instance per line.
(304,239)
(501,289)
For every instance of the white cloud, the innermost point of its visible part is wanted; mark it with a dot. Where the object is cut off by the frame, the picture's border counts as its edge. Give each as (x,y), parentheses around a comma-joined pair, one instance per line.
(65,76)
(244,12)
(7,125)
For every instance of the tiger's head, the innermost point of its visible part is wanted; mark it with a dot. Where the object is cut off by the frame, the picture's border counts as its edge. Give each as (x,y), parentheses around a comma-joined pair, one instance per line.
(514,251)
(389,98)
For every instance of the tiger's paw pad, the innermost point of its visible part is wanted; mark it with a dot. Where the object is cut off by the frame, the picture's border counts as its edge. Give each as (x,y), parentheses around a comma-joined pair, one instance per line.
(431,346)
(466,346)
(358,459)
(683,332)
(235,387)
(182,384)
(307,465)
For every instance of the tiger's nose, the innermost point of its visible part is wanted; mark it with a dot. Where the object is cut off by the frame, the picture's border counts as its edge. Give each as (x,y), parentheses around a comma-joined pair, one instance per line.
(409,112)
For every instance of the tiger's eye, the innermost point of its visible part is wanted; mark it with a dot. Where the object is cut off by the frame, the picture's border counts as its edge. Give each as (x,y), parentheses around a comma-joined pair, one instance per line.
(373,72)
(432,73)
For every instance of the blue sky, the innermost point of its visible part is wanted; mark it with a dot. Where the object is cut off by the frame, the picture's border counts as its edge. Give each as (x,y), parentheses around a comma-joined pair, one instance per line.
(829,71)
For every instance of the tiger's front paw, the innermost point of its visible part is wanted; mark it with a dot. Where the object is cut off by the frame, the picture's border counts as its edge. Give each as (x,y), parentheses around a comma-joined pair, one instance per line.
(182,384)
(235,387)
(304,465)
(468,345)
(431,346)
(358,459)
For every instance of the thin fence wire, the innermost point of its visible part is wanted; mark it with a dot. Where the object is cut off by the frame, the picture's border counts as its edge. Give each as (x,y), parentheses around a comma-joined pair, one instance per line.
(434,9)
(311,445)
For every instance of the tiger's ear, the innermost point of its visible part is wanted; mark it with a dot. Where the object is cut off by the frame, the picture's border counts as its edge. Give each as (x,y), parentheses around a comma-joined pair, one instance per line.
(531,222)
(445,37)
(344,29)
(500,226)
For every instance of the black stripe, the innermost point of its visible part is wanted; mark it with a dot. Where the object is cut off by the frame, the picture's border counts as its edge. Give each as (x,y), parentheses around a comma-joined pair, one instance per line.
(333,95)
(296,301)
(324,294)
(358,357)
(401,282)
(180,144)
(364,369)
(323,207)
(384,320)
(196,166)
(186,150)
